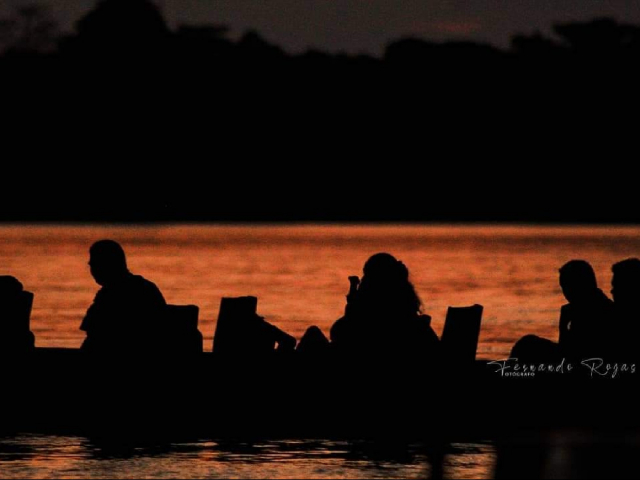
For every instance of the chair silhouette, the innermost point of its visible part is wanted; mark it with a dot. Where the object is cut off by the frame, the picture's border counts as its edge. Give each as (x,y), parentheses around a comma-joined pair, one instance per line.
(235,314)
(183,336)
(460,334)
(15,316)
(243,334)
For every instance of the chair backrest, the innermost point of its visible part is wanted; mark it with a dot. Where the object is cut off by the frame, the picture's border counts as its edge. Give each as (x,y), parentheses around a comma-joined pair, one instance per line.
(461,333)
(15,316)
(233,323)
(183,336)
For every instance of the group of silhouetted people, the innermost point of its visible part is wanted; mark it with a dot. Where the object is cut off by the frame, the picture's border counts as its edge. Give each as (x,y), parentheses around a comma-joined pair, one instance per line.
(383,315)
(592,325)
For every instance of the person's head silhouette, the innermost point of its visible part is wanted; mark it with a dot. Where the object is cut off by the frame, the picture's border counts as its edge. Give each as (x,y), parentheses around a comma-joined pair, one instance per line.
(385,267)
(386,284)
(626,282)
(577,280)
(107,261)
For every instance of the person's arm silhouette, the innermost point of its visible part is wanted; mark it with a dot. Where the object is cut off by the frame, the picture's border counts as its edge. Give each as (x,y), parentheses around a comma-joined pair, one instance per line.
(354,283)
(286,342)
(352,296)
(565,328)
(95,322)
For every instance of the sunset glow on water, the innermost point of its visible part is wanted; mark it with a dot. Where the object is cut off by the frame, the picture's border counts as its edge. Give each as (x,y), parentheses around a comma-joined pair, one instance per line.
(39,456)
(299,273)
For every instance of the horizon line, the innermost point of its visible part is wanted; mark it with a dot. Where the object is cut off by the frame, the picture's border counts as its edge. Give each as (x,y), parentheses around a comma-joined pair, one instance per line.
(304,223)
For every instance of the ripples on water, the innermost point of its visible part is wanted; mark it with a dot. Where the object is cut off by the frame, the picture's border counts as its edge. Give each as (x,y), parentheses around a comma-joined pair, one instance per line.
(34,456)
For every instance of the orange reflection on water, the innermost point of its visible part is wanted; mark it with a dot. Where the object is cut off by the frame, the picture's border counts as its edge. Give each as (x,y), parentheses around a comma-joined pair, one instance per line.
(36,456)
(300,273)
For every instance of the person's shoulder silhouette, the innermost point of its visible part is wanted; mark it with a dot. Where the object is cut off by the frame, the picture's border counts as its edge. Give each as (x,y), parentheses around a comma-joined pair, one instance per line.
(127,311)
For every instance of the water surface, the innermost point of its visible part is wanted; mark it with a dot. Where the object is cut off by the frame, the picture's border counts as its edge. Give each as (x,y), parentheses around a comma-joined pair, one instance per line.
(38,456)
(299,273)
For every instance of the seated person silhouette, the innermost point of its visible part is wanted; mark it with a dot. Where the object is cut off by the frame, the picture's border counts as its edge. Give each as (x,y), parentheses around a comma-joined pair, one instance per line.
(15,304)
(314,344)
(584,322)
(126,315)
(626,296)
(586,319)
(383,317)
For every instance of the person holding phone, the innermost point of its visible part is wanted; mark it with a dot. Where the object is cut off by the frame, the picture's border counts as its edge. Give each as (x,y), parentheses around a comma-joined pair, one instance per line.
(383,316)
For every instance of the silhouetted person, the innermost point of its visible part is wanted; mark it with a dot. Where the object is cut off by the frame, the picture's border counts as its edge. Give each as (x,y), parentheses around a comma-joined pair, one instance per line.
(383,317)
(128,311)
(15,311)
(626,296)
(586,321)
(313,343)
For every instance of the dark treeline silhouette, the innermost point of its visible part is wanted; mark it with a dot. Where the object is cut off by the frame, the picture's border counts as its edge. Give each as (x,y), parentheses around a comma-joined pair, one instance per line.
(123,85)
(135,30)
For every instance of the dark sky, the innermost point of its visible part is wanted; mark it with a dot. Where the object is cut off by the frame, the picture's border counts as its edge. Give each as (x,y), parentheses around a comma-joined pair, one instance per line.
(357,26)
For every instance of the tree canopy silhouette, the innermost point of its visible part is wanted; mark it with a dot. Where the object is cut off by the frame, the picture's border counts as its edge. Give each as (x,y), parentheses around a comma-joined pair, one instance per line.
(469,113)
(121,27)
(31,31)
